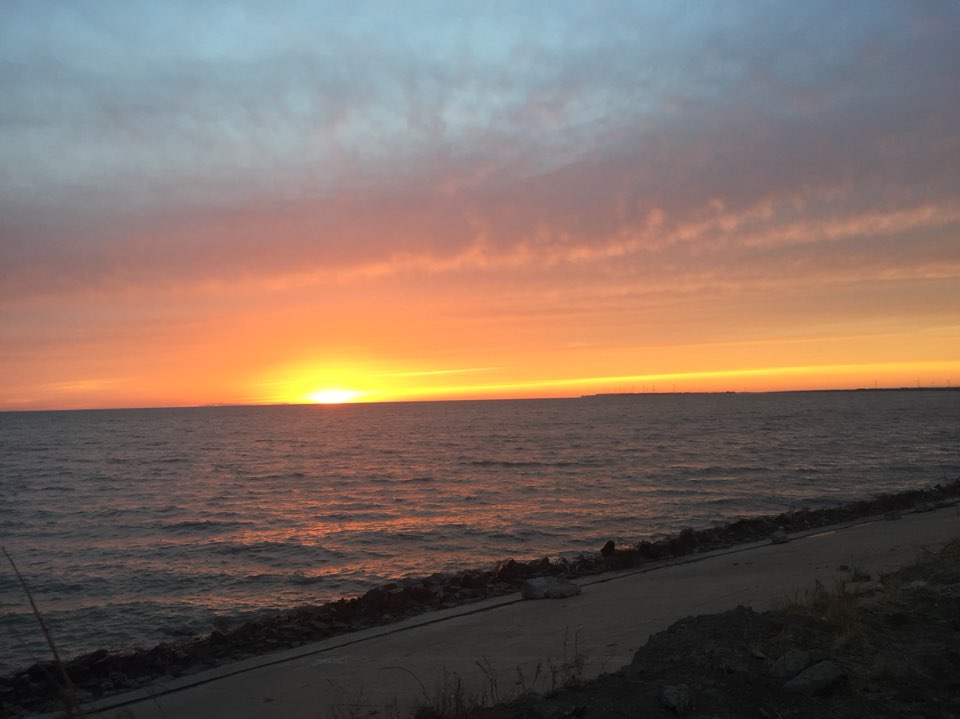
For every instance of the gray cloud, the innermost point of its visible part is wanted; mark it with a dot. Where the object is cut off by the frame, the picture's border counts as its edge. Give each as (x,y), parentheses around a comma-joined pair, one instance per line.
(326,145)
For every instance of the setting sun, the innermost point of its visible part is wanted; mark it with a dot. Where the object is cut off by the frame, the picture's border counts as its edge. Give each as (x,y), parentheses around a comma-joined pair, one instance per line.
(563,233)
(333,396)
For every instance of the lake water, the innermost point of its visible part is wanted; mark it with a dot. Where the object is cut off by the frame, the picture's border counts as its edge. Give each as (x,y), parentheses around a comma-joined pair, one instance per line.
(132,526)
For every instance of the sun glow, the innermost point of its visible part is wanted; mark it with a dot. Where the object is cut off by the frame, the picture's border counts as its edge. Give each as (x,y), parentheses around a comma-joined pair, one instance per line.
(333,396)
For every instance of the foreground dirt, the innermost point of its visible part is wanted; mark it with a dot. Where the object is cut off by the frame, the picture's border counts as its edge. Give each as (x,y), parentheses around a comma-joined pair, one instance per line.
(867,647)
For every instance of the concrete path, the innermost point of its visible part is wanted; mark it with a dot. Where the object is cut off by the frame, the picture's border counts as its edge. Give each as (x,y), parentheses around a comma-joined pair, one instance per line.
(495,647)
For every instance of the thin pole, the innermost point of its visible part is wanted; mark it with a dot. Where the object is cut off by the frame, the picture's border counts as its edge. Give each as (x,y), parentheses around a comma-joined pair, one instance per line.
(67,684)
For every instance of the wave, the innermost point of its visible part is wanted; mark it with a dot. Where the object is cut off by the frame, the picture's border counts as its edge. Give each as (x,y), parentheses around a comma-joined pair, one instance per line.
(270,546)
(205,526)
(532,464)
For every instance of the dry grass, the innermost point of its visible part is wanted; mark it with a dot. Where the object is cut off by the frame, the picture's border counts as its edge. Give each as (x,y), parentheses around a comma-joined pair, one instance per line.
(568,668)
(453,698)
(839,609)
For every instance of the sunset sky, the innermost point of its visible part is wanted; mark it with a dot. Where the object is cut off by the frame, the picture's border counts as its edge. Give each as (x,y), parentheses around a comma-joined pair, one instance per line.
(245,202)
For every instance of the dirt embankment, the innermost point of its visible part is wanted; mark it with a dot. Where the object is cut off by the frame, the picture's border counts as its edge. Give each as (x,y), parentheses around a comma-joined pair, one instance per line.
(867,647)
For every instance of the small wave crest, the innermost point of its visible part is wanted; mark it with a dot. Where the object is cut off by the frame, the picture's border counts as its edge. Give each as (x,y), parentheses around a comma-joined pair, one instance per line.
(206,525)
(271,546)
(585,463)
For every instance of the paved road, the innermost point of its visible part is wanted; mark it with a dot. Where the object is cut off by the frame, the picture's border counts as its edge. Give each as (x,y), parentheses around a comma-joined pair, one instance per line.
(496,646)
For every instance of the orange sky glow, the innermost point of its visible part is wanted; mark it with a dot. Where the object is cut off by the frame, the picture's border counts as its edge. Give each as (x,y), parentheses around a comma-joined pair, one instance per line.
(500,205)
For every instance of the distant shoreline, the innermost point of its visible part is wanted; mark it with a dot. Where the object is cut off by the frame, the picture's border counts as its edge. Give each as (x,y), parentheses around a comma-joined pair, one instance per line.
(948,388)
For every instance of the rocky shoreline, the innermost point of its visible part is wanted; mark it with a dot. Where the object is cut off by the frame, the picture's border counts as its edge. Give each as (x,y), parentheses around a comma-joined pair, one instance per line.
(39,688)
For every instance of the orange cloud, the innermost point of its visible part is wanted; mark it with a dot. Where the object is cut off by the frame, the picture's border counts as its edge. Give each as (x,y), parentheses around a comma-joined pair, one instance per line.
(449,218)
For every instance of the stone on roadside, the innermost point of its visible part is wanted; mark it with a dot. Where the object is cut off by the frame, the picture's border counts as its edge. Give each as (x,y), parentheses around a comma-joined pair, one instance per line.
(779,536)
(549,588)
(608,549)
(675,697)
(821,677)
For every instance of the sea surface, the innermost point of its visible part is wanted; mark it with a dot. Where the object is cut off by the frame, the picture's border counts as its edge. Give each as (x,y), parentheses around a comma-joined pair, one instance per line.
(136,526)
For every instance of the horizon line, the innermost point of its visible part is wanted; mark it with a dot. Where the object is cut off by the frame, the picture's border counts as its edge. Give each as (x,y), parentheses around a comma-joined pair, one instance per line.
(593,395)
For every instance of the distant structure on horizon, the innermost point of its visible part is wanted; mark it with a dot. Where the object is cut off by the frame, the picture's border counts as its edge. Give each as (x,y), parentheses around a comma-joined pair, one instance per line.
(949,387)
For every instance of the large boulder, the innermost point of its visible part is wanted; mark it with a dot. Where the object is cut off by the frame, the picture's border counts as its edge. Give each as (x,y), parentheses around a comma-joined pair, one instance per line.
(820,678)
(791,663)
(780,536)
(549,588)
